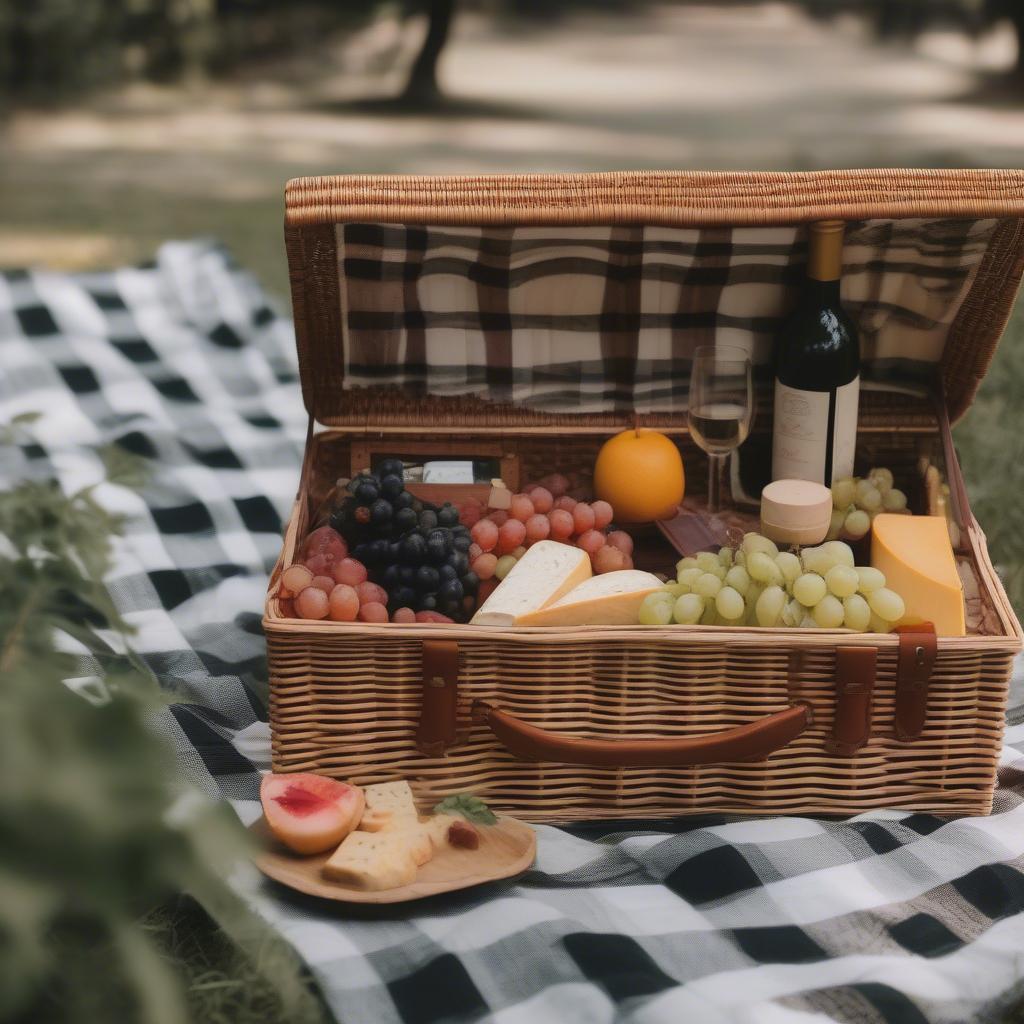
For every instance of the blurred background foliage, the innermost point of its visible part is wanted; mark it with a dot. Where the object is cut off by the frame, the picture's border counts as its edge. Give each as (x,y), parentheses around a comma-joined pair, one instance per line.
(127,122)
(54,49)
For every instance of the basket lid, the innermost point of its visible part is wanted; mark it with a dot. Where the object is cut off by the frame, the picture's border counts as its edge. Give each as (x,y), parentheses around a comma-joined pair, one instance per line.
(514,301)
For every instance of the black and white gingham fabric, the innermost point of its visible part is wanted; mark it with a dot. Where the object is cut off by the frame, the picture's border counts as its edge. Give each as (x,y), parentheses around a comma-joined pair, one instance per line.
(884,919)
(606,318)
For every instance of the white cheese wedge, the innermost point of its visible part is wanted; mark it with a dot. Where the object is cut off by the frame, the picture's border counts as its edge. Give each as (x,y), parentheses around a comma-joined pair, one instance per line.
(373,861)
(388,804)
(546,572)
(612,599)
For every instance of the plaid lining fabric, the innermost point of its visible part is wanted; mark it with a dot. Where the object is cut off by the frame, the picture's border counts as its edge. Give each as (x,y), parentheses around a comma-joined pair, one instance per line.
(885,918)
(607,318)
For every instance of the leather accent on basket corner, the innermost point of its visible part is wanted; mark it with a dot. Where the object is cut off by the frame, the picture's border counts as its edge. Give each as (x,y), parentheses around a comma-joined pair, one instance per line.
(437,729)
(917,652)
(855,685)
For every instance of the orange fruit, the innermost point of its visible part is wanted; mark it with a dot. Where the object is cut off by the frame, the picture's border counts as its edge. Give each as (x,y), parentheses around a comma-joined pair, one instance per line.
(640,474)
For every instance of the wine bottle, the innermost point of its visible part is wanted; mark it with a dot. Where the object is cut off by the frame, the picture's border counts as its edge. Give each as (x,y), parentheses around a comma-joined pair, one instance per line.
(817,372)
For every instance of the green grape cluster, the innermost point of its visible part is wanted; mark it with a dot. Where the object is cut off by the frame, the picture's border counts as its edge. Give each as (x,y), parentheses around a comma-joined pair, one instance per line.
(857,500)
(758,585)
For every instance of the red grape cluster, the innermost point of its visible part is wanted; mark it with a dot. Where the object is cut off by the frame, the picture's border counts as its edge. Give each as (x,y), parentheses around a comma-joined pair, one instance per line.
(325,583)
(543,511)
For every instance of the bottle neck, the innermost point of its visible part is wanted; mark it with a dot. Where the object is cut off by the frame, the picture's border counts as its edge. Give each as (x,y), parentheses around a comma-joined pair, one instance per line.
(816,294)
(825,252)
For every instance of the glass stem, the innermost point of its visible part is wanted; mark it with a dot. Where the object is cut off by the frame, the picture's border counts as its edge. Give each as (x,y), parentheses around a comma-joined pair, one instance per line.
(715,464)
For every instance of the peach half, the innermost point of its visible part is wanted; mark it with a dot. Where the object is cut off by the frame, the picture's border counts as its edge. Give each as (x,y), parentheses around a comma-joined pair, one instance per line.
(310,813)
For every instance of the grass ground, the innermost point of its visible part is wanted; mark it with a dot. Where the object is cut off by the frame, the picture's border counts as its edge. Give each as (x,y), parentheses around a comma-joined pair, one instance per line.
(222,984)
(734,87)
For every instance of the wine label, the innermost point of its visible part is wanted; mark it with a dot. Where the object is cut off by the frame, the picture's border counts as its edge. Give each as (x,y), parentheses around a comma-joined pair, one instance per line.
(815,434)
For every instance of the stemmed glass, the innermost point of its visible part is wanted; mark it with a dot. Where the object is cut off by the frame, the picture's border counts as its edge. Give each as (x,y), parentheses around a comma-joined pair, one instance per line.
(720,408)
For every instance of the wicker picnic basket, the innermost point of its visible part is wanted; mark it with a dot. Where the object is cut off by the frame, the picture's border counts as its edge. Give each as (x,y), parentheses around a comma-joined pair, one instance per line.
(531,317)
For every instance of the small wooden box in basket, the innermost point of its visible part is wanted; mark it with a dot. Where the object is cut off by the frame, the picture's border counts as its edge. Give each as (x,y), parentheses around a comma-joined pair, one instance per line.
(528,319)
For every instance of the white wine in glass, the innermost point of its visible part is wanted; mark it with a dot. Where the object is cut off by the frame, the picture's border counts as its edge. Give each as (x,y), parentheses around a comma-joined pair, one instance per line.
(720,427)
(720,409)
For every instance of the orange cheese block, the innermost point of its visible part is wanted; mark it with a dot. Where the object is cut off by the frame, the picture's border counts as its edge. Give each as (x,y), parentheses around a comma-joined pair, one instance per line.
(916,557)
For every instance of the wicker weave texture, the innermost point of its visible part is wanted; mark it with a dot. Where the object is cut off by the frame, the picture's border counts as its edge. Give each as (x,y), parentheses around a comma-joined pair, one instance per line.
(347,704)
(651,197)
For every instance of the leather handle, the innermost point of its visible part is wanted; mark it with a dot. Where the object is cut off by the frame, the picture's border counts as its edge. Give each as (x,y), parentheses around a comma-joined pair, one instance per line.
(745,743)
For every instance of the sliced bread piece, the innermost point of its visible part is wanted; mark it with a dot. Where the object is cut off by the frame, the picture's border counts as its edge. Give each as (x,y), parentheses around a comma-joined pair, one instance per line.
(388,804)
(373,861)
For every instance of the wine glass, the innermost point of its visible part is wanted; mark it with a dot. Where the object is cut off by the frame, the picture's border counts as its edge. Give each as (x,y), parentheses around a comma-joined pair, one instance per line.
(720,408)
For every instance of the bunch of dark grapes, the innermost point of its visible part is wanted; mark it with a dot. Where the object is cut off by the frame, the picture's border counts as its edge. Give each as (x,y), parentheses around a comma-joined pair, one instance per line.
(417,551)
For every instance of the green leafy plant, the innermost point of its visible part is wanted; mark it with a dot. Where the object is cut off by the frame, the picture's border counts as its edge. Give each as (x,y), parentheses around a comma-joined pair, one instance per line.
(97,827)
(472,808)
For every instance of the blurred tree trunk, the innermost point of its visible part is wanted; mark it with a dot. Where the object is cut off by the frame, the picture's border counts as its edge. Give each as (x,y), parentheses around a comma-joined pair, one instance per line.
(422,87)
(1016,15)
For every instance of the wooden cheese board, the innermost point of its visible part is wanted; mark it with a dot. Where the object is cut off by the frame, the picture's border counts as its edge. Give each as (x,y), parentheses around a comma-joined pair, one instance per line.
(506,849)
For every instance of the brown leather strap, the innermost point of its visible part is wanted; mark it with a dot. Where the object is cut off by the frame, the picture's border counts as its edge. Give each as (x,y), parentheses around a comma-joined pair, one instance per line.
(918,648)
(855,684)
(745,743)
(436,732)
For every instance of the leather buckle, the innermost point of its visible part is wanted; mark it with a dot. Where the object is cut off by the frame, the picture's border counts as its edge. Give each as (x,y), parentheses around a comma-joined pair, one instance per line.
(437,728)
(855,687)
(915,662)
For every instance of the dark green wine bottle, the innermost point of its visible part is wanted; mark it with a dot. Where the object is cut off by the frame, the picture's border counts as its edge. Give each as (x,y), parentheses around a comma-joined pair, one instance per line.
(817,372)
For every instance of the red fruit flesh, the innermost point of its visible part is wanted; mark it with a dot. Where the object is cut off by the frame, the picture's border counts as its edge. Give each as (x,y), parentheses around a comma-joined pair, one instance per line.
(310,813)
(301,802)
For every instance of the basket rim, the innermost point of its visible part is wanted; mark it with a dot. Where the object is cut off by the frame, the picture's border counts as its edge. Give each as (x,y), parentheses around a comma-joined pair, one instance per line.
(657,197)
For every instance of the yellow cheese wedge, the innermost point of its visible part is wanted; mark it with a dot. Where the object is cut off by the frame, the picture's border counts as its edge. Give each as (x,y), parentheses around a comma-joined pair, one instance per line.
(388,804)
(612,599)
(916,556)
(374,860)
(546,572)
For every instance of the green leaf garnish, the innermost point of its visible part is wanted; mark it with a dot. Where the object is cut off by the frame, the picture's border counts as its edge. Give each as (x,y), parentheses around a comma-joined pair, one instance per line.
(470,807)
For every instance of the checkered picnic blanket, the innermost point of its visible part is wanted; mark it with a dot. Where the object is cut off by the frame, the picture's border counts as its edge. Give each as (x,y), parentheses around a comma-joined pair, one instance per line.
(883,918)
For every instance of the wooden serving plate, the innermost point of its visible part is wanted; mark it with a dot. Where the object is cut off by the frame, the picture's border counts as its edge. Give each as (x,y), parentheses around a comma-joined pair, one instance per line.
(506,849)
